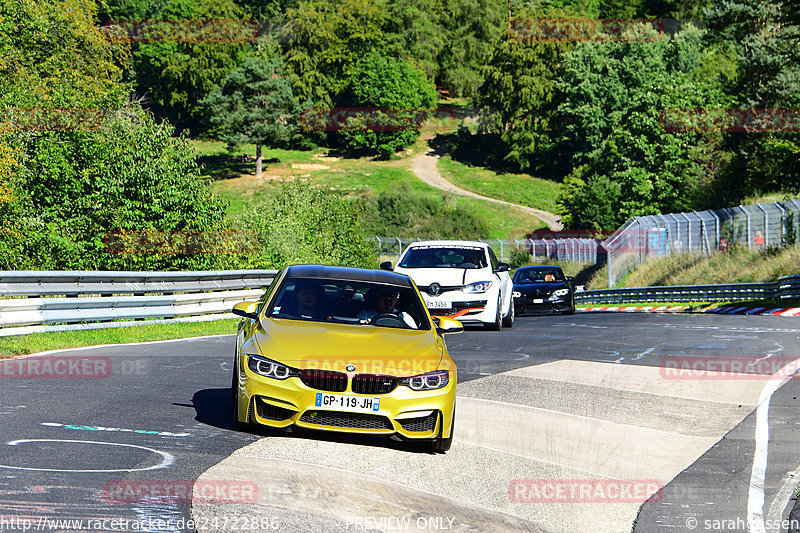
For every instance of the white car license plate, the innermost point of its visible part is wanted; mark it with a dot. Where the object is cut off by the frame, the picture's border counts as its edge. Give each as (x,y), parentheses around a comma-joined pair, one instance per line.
(438,304)
(351,404)
(538,301)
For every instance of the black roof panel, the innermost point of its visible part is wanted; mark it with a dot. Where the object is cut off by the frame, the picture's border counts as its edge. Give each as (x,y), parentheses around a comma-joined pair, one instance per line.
(348,273)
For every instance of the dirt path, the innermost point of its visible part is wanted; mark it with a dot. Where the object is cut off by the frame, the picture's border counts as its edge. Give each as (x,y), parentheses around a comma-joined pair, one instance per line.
(425,167)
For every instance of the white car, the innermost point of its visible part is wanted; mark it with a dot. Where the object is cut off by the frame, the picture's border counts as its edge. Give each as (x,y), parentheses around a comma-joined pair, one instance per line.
(461,280)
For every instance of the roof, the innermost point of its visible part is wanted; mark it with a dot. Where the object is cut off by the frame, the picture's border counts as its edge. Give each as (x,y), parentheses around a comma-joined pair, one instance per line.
(449,243)
(348,273)
(534,267)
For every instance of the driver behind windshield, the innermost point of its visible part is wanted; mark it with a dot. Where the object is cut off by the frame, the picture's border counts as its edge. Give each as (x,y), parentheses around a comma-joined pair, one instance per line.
(309,299)
(386,302)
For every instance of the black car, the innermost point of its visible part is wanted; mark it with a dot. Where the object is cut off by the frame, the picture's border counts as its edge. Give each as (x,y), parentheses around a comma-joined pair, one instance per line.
(543,288)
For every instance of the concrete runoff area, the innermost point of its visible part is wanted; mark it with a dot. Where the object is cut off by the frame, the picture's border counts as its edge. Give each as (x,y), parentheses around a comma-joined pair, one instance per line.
(511,435)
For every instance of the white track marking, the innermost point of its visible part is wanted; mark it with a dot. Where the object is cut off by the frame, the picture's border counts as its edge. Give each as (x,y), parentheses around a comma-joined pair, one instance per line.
(167,458)
(755,498)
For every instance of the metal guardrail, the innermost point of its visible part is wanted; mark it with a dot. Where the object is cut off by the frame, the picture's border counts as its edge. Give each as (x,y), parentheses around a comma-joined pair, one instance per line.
(33,301)
(786,287)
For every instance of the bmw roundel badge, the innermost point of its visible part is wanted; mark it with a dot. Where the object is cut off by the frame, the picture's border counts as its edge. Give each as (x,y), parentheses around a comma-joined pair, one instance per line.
(350,368)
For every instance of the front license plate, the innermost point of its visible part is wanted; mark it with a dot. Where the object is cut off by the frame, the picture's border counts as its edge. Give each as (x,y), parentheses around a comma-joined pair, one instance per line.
(538,301)
(351,404)
(438,304)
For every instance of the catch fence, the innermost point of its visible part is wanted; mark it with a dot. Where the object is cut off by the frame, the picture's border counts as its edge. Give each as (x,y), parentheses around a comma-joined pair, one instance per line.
(756,226)
(541,250)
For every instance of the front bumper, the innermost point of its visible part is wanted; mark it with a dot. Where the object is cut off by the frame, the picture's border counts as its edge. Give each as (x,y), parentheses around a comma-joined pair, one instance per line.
(467,308)
(524,305)
(404,412)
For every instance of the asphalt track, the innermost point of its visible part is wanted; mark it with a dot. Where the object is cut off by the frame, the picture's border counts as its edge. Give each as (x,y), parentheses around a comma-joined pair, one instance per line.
(554,402)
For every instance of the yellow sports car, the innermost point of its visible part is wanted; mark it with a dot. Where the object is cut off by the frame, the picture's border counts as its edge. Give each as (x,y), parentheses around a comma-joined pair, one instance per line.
(348,350)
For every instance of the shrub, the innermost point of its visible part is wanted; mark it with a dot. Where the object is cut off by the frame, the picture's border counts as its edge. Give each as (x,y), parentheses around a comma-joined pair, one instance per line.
(303,224)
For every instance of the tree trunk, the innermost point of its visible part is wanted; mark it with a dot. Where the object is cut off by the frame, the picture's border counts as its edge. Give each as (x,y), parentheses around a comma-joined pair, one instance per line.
(258,160)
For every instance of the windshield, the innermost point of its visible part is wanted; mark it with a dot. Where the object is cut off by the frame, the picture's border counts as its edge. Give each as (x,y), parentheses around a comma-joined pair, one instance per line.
(444,257)
(349,302)
(539,275)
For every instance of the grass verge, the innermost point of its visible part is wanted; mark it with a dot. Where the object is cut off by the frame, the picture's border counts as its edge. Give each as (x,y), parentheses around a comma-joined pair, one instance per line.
(40,342)
(522,189)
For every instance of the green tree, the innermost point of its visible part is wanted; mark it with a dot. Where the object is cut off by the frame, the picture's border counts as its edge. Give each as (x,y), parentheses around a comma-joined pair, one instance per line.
(471,27)
(610,124)
(519,87)
(397,97)
(414,32)
(765,37)
(131,175)
(322,41)
(303,224)
(177,74)
(255,105)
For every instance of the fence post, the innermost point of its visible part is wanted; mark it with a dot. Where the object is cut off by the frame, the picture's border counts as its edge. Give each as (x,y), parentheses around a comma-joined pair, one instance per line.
(501,249)
(766,225)
(749,236)
(783,223)
(717,236)
(688,232)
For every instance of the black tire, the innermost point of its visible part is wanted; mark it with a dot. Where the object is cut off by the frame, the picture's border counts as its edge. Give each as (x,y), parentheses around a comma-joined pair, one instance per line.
(498,323)
(508,321)
(237,424)
(572,307)
(441,445)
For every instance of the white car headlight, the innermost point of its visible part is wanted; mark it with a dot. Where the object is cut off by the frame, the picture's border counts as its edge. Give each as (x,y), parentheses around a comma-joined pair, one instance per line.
(269,368)
(429,381)
(559,293)
(478,286)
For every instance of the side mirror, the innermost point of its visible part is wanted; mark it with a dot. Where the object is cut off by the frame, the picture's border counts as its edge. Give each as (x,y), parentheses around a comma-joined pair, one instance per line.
(502,267)
(246,310)
(446,325)
(570,279)
(386,265)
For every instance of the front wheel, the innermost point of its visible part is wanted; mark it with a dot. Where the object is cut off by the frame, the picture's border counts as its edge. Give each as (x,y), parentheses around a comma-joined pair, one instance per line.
(508,321)
(237,424)
(441,445)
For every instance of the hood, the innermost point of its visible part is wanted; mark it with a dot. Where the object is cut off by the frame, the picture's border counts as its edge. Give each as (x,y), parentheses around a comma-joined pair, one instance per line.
(370,349)
(446,276)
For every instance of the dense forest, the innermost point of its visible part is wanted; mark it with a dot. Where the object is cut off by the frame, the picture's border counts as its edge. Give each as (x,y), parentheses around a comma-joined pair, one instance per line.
(627,104)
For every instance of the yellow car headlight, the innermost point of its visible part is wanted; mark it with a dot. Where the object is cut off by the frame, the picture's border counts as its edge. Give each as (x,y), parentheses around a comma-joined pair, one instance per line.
(427,381)
(269,368)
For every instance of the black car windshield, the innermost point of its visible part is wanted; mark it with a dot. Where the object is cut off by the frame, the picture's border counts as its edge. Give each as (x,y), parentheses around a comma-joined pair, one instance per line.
(349,302)
(539,275)
(444,257)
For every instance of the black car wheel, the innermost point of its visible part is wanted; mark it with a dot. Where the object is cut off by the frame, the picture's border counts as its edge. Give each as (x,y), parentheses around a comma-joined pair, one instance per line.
(237,424)
(508,321)
(441,445)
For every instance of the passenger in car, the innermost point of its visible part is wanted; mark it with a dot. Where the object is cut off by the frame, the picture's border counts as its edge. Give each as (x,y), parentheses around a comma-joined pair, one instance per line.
(386,303)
